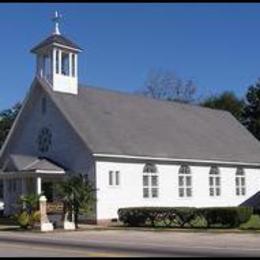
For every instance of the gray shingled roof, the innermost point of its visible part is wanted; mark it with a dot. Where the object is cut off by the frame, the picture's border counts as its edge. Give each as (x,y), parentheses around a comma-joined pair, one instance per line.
(55,38)
(20,162)
(123,124)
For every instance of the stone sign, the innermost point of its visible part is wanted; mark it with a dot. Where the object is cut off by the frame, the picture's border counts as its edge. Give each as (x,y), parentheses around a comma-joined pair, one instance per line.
(55,208)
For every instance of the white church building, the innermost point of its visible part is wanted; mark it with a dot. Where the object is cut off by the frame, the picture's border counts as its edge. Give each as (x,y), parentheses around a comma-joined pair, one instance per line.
(136,150)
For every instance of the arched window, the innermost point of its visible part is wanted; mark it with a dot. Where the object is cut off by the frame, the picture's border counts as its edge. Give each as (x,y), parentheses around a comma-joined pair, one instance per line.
(185,181)
(150,168)
(214,182)
(240,182)
(150,181)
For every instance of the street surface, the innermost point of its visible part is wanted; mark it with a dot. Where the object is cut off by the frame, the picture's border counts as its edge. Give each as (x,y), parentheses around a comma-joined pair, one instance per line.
(127,243)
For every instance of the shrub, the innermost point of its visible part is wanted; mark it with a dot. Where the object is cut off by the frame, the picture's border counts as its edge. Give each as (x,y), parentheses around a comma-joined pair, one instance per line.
(256,211)
(29,214)
(184,216)
(23,219)
(154,216)
(244,213)
(132,216)
(253,223)
(35,217)
(226,216)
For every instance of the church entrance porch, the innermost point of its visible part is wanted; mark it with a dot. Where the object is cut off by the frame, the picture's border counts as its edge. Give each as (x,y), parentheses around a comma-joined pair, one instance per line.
(17,184)
(25,174)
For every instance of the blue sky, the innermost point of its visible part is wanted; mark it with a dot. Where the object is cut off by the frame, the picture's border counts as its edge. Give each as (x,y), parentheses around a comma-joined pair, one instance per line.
(216,45)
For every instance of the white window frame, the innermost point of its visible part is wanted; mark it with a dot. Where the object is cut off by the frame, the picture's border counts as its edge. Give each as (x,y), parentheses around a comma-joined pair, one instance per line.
(150,181)
(240,182)
(214,182)
(185,182)
(114,178)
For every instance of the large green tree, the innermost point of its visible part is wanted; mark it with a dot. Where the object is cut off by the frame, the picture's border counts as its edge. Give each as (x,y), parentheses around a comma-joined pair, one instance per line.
(226,101)
(251,113)
(7,118)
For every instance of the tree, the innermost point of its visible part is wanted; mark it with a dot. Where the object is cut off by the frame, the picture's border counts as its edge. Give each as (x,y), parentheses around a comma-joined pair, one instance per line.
(77,195)
(166,85)
(251,113)
(28,214)
(7,118)
(30,202)
(226,101)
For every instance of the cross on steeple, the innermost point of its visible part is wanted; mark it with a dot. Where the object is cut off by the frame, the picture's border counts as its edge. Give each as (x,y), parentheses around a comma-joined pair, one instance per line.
(56,20)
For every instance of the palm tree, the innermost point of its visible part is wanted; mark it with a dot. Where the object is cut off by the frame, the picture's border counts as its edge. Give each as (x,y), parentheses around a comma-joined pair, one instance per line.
(77,195)
(30,202)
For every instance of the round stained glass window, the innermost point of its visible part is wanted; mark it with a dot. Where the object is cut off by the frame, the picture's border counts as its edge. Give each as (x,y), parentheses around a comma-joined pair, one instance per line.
(44,140)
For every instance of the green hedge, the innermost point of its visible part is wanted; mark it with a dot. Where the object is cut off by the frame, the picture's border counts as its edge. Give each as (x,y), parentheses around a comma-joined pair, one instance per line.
(226,216)
(184,216)
(153,216)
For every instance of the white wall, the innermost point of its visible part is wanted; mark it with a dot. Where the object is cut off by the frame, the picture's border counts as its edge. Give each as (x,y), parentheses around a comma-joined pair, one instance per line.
(65,84)
(129,193)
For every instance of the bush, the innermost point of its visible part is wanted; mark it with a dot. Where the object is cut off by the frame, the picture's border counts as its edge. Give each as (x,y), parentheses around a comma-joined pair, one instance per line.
(35,217)
(133,217)
(226,216)
(184,216)
(27,220)
(256,211)
(154,216)
(29,214)
(23,219)
(244,214)
(252,224)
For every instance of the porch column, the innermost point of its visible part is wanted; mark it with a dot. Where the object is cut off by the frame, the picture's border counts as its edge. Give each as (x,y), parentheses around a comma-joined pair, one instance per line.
(39,185)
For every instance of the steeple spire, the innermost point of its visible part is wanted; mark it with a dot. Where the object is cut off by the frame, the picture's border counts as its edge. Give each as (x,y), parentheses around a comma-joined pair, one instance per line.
(56,20)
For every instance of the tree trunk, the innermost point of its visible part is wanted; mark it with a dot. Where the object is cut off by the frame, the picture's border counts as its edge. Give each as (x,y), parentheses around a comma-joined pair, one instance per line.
(76,215)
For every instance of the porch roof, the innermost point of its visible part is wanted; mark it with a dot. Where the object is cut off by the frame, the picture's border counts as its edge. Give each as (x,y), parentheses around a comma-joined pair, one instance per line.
(18,165)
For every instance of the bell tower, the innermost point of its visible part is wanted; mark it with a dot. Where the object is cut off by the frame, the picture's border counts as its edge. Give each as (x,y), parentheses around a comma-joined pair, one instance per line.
(57,61)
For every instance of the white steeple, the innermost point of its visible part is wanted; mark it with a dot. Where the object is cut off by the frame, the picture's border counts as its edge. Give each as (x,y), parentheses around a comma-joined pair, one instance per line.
(57,60)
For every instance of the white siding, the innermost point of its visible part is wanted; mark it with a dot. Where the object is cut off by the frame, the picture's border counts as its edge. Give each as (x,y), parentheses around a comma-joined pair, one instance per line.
(129,192)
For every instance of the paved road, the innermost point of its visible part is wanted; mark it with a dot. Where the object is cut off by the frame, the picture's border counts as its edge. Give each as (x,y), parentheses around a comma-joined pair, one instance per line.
(128,243)
(32,250)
